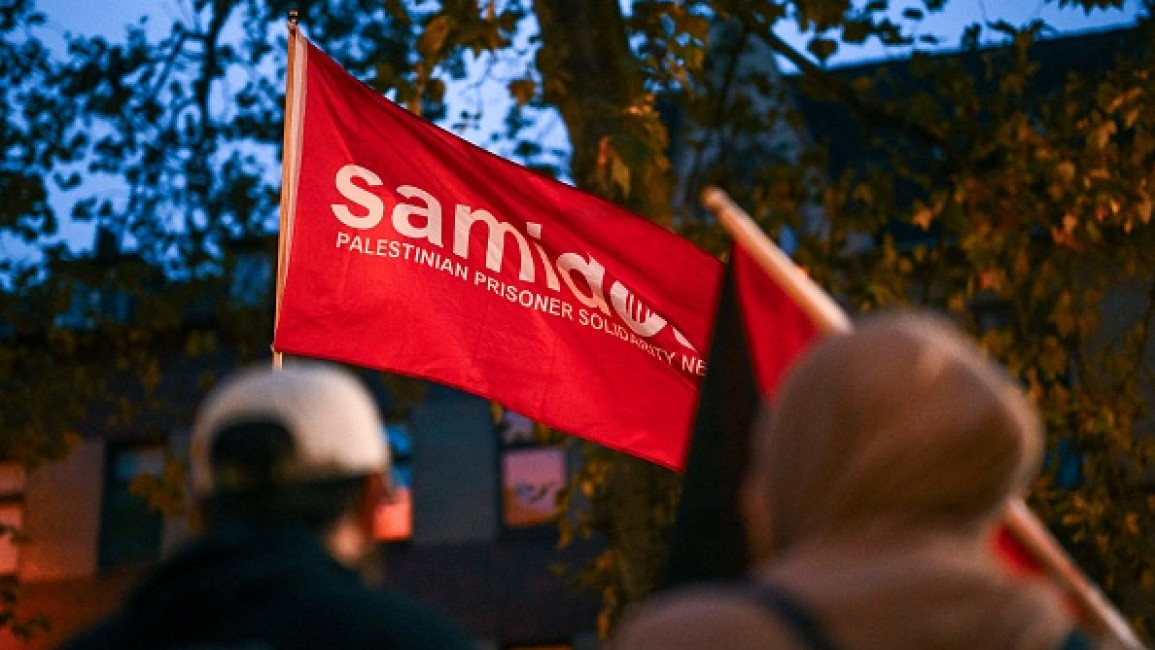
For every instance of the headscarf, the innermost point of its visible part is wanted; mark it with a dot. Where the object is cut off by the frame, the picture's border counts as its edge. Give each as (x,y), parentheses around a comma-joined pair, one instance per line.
(877,482)
(901,423)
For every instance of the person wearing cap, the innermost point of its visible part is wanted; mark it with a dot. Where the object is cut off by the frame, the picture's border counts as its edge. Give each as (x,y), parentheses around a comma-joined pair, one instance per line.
(877,480)
(287,466)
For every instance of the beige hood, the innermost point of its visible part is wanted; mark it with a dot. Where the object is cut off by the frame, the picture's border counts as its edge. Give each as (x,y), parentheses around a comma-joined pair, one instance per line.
(901,423)
(876,483)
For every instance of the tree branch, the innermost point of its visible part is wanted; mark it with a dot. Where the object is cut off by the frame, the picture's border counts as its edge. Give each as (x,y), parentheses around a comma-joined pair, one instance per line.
(866,111)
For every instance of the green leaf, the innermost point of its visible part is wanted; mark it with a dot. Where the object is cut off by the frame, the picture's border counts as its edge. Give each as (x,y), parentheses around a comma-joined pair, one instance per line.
(433,38)
(822,48)
(522,90)
(620,174)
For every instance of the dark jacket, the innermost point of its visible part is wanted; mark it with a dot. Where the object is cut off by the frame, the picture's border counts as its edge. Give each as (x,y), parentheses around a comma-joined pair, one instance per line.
(269,590)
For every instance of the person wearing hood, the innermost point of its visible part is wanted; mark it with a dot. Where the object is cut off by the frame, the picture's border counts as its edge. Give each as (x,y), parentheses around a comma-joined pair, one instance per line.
(877,480)
(287,468)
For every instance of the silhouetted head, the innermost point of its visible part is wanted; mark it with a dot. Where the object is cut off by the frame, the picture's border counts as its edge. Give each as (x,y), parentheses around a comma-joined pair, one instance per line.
(900,424)
(292,445)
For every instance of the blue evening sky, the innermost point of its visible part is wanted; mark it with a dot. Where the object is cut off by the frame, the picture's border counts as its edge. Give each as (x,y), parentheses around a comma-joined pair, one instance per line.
(109,18)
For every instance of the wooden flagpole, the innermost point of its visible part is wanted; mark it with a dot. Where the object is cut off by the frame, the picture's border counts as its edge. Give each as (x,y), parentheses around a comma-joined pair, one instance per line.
(1098,615)
(827,314)
(290,161)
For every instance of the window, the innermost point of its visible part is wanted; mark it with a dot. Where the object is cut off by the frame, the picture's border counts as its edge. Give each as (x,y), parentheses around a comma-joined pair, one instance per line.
(83,303)
(394,515)
(87,306)
(11,515)
(532,474)
(130,529)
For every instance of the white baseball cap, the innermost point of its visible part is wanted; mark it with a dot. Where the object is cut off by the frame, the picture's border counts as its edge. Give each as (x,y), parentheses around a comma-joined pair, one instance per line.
(329,414)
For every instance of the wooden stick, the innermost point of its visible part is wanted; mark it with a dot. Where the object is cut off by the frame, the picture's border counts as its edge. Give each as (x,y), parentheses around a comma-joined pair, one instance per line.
(818,305)
(1097,614)
(291,162)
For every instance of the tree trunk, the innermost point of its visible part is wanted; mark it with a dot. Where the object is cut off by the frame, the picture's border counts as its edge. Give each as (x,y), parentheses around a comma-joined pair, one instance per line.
(591,75)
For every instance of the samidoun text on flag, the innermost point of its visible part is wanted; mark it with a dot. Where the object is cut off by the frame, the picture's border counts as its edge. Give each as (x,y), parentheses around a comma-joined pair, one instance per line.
(413,251)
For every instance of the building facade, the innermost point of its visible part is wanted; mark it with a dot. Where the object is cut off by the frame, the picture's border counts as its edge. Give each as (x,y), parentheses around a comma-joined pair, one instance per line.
(470,527)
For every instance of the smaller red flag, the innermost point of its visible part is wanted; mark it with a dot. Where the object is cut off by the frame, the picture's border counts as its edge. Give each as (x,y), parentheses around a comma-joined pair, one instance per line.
(1016,557)
(777,330)
(759,330)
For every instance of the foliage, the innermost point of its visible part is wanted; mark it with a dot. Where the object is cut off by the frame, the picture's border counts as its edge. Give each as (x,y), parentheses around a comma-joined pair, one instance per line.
(631,504)
(982,186)
(1019,203)
(22,625)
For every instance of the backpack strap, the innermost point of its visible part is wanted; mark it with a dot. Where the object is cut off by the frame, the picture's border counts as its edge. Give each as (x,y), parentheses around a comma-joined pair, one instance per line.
(1076,640)
(784,607)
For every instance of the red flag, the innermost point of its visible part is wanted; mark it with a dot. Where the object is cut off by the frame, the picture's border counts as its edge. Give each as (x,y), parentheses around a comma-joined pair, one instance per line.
(759,330)
(1017,557)
(407,249)
(777,329)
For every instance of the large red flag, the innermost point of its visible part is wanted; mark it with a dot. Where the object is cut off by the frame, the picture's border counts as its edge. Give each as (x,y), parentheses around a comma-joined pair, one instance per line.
(407,249)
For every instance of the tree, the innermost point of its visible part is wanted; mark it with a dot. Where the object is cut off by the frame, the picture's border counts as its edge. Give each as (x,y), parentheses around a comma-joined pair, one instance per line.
(1020,204)
(999,192)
